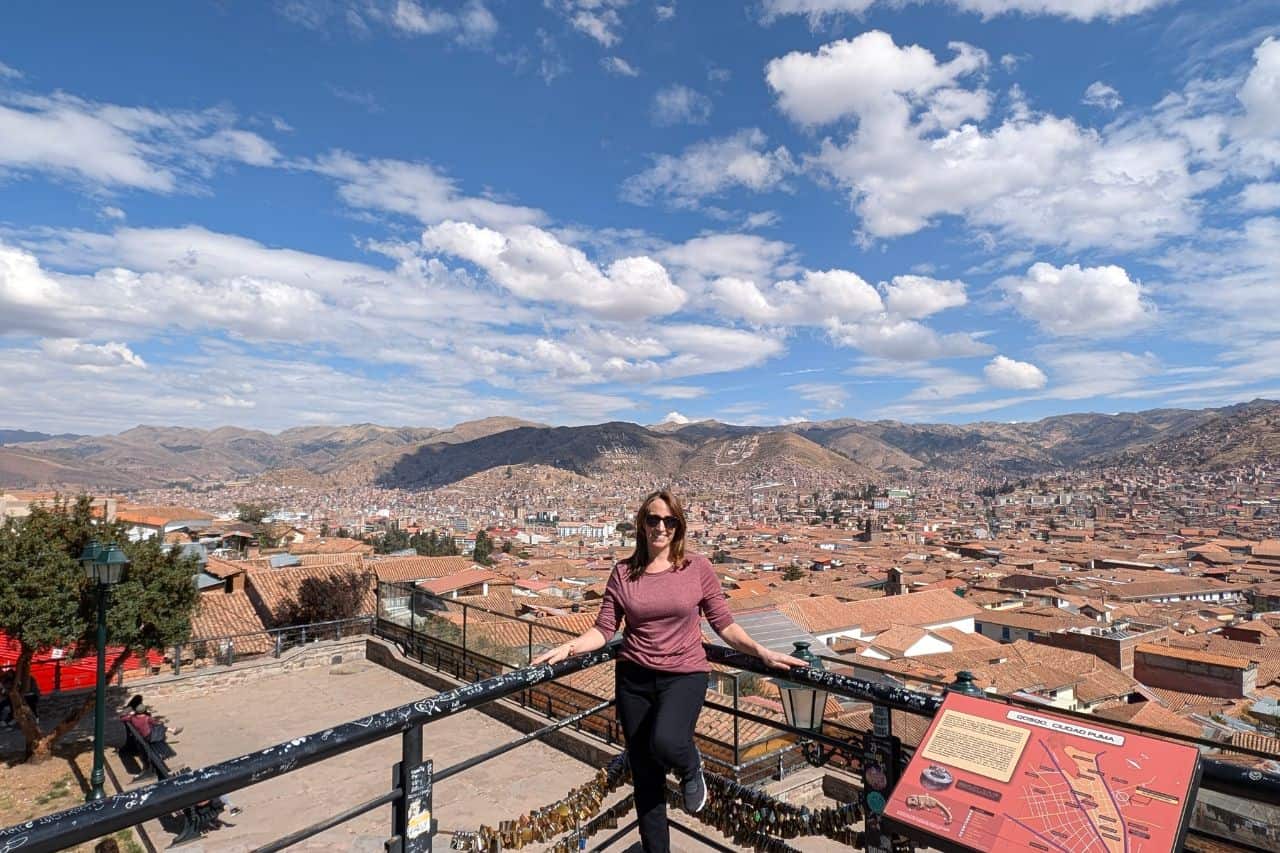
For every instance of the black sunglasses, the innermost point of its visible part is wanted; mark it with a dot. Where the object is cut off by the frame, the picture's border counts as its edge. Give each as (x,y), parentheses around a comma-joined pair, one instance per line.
(669,521)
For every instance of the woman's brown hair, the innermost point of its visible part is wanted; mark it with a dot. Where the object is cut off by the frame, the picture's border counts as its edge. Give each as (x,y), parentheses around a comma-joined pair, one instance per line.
(640,557)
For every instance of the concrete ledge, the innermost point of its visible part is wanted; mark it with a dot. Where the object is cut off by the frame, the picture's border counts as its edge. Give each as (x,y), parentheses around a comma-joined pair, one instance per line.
(582,747)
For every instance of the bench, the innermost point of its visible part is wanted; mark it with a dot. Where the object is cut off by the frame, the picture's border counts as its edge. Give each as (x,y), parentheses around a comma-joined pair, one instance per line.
(195,820)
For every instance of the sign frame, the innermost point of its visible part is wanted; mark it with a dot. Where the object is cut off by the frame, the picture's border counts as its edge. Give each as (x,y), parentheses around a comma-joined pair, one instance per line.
(1002,765)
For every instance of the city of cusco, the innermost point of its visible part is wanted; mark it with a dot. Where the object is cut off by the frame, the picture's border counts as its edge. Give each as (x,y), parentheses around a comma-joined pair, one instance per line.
(635,426)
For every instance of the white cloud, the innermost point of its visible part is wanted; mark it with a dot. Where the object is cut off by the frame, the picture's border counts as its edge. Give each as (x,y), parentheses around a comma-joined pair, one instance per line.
(665,11)
(113,212)
(227,292)
(473,22)
(917,296)
(679,104)
(716,349)
(1004,372)
(1080,10)
(1096,373)
(533,264)
(94,357)
(1101,95)
(414,189)
(933,382)
(814,298)
(598,19)
(761,219)
(904,340)
(1260,92)
(827,396)
(675,418)
(710,168)
(1231,276)
(676,392)
(123,147)
(1072,300)
(918,152)
(711,256)
(409,17)
(8,72)
(854,77)
(618,65)
(366,101)
(1261,196)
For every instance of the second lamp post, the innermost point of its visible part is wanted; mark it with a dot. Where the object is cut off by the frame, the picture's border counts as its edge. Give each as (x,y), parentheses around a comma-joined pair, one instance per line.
(103,565)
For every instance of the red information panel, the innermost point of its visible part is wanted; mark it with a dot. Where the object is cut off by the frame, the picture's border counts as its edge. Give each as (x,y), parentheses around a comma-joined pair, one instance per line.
(991,776)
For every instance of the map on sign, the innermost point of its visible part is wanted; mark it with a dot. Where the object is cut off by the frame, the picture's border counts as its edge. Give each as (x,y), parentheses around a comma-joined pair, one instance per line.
(990,776)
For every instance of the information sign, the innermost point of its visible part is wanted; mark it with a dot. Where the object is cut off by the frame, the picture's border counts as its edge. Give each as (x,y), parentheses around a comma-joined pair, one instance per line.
(992,776)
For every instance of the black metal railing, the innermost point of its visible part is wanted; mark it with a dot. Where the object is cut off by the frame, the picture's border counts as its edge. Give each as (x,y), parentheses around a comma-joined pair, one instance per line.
(489,677)
(225,650)
(92,820)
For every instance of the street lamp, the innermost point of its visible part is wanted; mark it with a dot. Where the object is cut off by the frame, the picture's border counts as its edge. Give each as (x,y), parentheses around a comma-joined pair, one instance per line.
(103,565)
(804,706)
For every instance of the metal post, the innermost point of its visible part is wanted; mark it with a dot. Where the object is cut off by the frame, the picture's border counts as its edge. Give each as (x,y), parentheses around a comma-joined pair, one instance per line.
(339,630)
(530,658)
(98,776)
(410,757)
(303,642)
(177,659)
(279,642)
(737,759)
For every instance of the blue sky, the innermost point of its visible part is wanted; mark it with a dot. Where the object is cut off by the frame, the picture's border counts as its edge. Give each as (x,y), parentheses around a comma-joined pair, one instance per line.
(572,211)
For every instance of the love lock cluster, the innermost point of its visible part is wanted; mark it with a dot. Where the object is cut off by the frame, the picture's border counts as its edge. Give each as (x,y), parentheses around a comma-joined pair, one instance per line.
(579,811)
(756,820)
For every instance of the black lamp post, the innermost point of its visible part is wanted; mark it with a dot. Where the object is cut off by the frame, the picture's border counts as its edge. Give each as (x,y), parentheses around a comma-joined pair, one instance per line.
(804,706)
(103,564)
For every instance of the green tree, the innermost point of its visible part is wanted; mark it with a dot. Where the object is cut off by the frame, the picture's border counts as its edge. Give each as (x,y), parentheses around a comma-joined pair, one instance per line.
(252,513)
(433,544)
(793,573)
(394,539)
(339,596)
(484,547)
(46,602)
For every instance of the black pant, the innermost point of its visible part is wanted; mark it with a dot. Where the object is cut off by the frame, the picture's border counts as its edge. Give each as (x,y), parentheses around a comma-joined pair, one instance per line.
(658,711)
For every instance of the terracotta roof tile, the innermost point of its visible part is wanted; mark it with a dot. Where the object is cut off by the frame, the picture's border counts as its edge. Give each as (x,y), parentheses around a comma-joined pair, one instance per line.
(224,614)
(270,590)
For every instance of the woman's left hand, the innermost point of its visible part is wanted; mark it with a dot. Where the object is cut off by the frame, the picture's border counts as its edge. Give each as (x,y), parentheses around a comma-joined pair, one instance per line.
(778,660)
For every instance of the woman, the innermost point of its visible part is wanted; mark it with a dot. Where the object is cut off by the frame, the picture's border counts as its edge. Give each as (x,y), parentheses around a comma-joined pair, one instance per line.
(661,673)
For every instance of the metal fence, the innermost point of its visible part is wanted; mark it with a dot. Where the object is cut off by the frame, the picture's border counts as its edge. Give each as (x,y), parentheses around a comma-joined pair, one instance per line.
(472,642)
(203,652)
(1240,801)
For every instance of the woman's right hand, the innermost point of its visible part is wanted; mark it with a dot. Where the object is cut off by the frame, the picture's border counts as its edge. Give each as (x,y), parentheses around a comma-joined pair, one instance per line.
(556,655)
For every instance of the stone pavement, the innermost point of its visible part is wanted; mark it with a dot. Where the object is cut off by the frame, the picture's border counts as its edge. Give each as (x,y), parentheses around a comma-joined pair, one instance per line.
(223,725)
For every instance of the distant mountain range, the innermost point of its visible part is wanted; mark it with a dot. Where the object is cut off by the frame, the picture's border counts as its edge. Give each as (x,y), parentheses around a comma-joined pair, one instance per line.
(853,450)
(21,436)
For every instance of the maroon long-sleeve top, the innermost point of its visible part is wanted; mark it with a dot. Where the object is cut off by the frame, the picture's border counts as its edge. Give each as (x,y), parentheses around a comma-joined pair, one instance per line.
(661,614)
